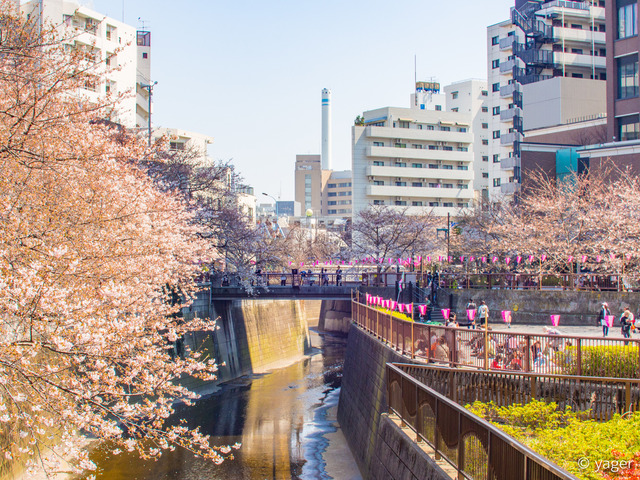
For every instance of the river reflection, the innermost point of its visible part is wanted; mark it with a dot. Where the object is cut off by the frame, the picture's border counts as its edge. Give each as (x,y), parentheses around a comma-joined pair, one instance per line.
(284,420)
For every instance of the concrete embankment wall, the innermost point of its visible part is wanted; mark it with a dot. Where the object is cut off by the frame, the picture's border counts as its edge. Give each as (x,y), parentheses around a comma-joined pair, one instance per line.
(252,336)
(381,449)
(535,306)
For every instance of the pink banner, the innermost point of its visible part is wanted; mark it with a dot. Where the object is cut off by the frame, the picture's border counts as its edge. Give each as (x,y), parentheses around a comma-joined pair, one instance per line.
(393,304)
(543,258)
(555,320)
(612,257)
(471,259)
(507,260)
(530,258)
(401,307)
(450,258)
(506,316)
(628,256)
(494,259)
(609,320)
(439,258)
(422,309)
(409,308)
(471,314)
(445,313)
(428,259)
(518,259)
(584,258)
(570,259)
(462,258)
(599,258)
(484,259)
(368,297)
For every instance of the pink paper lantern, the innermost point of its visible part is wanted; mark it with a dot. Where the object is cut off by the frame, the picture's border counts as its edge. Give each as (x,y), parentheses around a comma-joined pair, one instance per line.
(472,259)
(506,316)
(450,258)
(393,304)
(494,259)
(409,308)
(368,297)
(471,314)
(530,258)
(555,320)
(290,263)
(484,259)
(570,259)
(543,258)
(507,260)
(401,307)
(422,309)
(428,259)
(518,259)
(628,256)
(609,319)
(439,258)
(612,257)
(599,258)
(445,313)
(462,258)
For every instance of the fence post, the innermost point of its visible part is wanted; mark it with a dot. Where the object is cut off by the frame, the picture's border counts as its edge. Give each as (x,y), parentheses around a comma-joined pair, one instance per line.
(527,354)
(579,357)
(412,342)
(428,343)
(627,396)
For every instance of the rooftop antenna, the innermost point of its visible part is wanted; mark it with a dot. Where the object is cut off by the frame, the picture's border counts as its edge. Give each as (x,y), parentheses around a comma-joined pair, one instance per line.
(140,20)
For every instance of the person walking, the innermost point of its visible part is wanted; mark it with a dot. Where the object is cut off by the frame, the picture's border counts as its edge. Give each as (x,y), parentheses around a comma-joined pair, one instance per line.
(626,320)
(602,317)
(339,277)
(483,314)
(471,305)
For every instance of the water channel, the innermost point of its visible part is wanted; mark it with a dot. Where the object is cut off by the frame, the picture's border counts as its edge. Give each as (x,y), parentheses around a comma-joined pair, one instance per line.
(285,421)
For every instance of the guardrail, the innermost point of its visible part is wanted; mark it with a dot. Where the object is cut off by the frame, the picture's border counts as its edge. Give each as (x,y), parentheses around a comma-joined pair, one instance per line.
(601,397)
(568,355)
(472,446)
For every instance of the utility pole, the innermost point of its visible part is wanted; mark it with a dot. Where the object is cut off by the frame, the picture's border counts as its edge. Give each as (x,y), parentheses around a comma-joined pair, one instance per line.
(149,88)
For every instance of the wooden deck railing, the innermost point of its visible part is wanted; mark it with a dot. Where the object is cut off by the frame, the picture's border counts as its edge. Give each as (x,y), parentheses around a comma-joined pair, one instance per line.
(472,446)
(506,351)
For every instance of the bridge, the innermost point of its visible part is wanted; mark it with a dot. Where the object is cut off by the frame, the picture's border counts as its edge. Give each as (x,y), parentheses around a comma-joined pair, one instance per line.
(288,292)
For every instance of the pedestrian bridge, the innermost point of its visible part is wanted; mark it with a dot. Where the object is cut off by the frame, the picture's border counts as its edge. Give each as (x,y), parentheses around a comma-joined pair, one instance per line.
(274,292)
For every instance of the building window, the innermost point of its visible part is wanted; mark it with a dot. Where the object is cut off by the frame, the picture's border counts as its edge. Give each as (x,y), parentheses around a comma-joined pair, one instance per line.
(416,184)
(378,202)
(495,87)
(485,93)
(485,109)
(438,108)
(378,182)
(485,175)
(485,125)
(496,134)
(433,166)
(496,110)
(403,124)
(332,194)
(462,129)
(496,158)
(445,129)
(463,149)
(485,141)
(416,204)
(454,109)
(343,185)
(447,167)
(496,182)
(454,95)
(434,147)
(495,63)
(401,184)
(447,204)
(627,18)
(332,212)
(628,76)
(401,203)
(434,185)
(485,158)
(416,165)
(378,144)
(447,185)
(145,55)
(331,185)
(495,40)
(628,128)
(431,127)
(578,51)
(463,167)
(377,163)
(433,204)
(344,194)
(332,203)
(401,164)
(400,145)
(418,146)
(447,148)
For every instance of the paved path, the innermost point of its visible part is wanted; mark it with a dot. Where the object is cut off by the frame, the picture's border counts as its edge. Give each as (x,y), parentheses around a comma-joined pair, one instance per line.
(586,331)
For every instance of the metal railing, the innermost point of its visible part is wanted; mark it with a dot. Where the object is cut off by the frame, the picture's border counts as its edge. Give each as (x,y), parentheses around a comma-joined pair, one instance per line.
(598,397)
(472,446)
(533,281)
(567,355)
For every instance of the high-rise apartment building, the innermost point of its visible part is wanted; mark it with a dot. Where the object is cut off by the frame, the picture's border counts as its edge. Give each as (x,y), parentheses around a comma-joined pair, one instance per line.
(541,41)
(327,193)
(126,54)
(422,157)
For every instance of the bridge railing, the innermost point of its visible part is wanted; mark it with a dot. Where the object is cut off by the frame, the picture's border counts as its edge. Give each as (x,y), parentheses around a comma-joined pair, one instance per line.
(599,397)
(534,281)
(504,351)
(472,446)
(273,279)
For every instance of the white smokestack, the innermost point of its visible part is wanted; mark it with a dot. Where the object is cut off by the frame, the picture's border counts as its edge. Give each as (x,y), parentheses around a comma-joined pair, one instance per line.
(326,129)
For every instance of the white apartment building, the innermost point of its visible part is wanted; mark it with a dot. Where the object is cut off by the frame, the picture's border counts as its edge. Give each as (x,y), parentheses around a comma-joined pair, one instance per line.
(125,53)
(181,140)
(420,158)
(542,40)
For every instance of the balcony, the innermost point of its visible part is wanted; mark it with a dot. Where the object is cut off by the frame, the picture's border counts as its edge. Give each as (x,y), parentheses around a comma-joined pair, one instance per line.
(425,174)
(507,43)
(509,138)
(506,115)
(410,134)
(508,66)
(507,90)
(579,60)
(418,154)
(419,192)
(509,163)
(586,36)
(509,188)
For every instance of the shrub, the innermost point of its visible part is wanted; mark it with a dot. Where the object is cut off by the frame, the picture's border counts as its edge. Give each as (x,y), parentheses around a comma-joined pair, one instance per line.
(601,361)
(395,314)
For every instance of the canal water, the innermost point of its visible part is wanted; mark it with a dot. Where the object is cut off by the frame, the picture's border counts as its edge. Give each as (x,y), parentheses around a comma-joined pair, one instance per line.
(285,421)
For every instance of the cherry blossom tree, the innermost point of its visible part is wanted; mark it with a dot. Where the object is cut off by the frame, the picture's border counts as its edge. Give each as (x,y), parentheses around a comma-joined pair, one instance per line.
(95,266)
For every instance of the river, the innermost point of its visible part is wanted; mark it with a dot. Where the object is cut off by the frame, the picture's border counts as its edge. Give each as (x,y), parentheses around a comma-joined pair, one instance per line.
(285,421)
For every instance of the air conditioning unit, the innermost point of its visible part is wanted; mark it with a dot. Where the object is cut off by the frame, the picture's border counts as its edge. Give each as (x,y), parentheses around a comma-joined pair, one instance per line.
(398,199)
(398,179)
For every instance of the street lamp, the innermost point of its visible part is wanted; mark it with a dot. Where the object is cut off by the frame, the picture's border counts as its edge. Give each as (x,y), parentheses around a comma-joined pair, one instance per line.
(276,202)
(149,88)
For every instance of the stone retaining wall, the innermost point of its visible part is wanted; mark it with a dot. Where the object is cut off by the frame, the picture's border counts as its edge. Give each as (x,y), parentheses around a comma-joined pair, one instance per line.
(381,450)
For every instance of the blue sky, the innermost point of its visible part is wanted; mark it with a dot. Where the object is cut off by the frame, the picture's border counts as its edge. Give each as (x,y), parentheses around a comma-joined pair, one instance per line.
(250,73)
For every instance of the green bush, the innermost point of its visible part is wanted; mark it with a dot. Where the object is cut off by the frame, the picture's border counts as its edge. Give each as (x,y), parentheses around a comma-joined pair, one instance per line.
(566,436)
(601,361)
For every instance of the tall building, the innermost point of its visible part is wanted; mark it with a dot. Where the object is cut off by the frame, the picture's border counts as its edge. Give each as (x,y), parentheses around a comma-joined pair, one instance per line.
(541,41)
(422,157)
(126,53)
(326,193)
